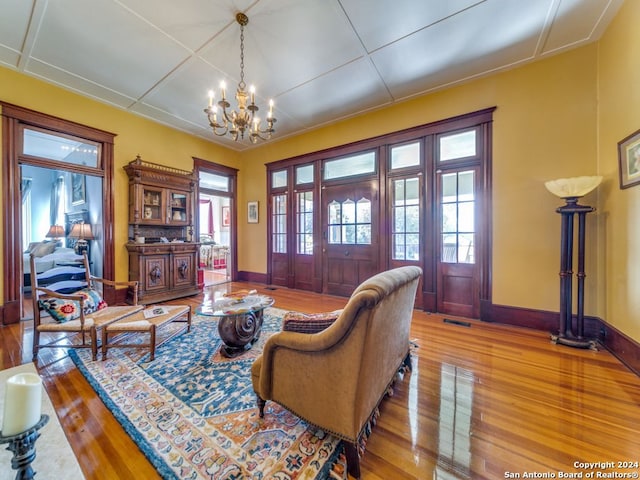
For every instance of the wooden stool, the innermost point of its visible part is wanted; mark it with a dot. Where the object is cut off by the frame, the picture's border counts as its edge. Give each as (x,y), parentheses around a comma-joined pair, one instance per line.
(139,323)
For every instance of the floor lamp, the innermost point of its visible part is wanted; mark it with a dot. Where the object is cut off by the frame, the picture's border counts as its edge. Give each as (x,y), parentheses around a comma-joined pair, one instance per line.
(571,189)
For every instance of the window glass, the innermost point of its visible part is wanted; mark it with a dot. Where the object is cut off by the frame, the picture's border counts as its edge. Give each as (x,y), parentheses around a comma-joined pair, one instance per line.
(304,224)
(350,222)
(349,166)
(279,223)
(405,156)
(449,187)
(458,217)
(279,179)
(406,219)
(213,181)
(304,174)
(65,149)
(458,145)
(465,186)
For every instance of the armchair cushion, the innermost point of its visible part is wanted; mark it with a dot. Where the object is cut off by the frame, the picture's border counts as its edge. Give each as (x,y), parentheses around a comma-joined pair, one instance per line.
(308,322)
(63,310)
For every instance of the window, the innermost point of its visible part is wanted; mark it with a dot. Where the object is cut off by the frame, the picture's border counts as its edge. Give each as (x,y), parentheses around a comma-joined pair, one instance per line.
(61,148)
(406,219)
(458,145)
(304,174)
(405,156)
(212,181)
(350,222)
(279,179)
(458,217)
(360,164)
(304,223)
(279,223)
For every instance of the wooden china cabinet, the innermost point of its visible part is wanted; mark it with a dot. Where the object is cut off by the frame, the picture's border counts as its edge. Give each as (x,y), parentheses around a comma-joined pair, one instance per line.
(162,254)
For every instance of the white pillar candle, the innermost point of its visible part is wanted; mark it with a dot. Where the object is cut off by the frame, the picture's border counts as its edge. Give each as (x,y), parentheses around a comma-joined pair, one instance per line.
(22,403)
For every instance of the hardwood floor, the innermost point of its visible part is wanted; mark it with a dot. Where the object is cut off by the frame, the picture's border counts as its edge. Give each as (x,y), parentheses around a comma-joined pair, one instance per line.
(482,401)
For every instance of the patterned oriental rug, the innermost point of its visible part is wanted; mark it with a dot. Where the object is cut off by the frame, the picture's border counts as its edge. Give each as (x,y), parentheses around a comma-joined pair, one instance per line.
(193,412)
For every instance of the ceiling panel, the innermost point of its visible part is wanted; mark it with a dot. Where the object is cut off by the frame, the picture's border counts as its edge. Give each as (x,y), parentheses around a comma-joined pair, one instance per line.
(320,60)
(104,43)
(378,25)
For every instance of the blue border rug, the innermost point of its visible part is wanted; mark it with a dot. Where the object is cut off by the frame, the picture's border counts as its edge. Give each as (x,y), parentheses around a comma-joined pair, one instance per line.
(193,412)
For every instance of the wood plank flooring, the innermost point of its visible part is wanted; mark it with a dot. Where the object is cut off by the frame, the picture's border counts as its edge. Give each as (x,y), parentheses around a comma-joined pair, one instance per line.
(483,401)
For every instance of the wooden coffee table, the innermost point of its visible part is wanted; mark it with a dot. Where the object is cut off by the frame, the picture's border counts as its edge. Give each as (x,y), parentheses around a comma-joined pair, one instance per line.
(240,321)
(139,323)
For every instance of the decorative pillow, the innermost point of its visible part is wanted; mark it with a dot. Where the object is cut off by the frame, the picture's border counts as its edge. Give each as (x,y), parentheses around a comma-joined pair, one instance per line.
(308,322)
(63,310)
(42,249)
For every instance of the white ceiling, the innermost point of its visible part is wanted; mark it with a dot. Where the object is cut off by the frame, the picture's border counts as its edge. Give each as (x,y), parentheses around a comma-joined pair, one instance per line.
(320,60)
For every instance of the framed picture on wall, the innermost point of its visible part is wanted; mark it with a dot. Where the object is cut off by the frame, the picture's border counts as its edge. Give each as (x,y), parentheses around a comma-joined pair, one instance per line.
(629,160)
(226,216)
(78,189)
(252,212)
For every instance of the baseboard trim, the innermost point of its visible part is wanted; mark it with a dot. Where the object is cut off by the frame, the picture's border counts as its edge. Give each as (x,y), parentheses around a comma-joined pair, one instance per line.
(254,277)
(620,345)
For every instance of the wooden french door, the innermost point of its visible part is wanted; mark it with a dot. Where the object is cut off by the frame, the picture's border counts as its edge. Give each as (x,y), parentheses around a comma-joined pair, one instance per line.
(457,267)
(350,249)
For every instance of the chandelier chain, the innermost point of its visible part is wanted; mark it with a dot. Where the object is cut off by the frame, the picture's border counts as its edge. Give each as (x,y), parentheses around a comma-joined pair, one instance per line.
(242,85)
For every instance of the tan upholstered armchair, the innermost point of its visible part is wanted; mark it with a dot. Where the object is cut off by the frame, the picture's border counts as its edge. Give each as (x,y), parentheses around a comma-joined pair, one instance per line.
(336,378)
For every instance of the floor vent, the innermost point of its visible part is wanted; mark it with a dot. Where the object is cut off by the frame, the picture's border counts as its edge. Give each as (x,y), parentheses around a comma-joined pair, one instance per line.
(457,322)
(270,288)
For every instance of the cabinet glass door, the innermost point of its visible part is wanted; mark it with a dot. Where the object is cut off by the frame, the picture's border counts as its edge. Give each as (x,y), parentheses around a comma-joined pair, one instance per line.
(152,210)
(178,207)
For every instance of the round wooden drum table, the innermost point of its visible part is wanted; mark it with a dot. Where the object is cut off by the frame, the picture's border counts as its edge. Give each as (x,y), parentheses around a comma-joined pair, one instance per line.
(239,321)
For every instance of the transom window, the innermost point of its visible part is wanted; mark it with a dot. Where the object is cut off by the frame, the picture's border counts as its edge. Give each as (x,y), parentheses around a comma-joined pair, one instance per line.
(60,147)
(458,145)
(353,165)
(404,156)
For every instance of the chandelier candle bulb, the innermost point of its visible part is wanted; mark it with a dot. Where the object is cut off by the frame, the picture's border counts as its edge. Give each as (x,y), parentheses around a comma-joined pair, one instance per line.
(22,403)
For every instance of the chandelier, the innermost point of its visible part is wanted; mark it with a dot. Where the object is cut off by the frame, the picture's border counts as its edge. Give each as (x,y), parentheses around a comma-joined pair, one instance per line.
(243,120)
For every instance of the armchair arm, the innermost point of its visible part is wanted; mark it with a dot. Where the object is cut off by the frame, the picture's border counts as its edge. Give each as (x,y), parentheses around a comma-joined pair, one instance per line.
(305,346)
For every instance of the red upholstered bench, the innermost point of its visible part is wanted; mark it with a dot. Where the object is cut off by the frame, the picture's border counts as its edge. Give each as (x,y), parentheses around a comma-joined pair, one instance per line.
(308,322)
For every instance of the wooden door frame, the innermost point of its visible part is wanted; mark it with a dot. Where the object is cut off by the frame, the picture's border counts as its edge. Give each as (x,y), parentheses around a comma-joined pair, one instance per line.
(13,117)
(201,165)
(483,120)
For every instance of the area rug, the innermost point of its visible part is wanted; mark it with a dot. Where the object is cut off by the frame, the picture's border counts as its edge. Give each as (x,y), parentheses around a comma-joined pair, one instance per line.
(193,412)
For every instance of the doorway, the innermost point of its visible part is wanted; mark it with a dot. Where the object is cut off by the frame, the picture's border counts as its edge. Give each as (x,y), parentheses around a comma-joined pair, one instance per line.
(216,222)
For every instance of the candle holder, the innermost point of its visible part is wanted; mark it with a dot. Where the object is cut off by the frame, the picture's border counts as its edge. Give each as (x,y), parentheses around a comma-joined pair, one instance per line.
(23,447)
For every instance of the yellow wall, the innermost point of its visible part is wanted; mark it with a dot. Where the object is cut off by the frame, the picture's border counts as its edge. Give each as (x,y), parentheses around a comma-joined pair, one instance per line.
(619,116)
(548,124)
(544,128)
(135,135)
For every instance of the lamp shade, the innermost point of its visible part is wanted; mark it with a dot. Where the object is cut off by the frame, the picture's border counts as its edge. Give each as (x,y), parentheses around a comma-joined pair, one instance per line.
(81,231)
(573,187)
(55,231)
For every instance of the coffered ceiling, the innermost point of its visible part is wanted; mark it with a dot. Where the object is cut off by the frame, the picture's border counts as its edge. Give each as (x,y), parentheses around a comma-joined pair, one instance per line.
(320,60)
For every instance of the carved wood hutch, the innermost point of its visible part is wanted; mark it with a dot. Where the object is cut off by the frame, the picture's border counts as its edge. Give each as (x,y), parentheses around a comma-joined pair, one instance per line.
(162,254)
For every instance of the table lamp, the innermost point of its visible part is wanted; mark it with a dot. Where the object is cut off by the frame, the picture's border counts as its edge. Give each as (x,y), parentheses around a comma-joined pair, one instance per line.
(82,232)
